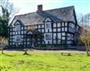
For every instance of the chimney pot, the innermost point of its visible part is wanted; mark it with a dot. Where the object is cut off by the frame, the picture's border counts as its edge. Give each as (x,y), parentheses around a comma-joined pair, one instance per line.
(40,8)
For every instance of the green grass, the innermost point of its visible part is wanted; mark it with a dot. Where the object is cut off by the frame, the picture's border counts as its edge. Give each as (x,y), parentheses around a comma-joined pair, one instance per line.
(40,61)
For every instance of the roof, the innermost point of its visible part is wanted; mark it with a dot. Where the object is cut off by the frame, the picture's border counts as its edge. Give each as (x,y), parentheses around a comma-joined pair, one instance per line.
(57,15)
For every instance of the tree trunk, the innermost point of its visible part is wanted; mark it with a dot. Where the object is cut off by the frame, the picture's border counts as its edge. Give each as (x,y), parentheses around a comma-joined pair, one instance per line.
(86,45)
(25,52)
(2,51)
(87,50)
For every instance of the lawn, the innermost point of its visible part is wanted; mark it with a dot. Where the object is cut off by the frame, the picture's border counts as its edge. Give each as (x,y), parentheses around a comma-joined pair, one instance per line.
(44,61)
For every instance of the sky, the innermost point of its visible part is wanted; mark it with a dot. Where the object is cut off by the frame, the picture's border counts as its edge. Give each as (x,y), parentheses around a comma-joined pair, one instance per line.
(27,6)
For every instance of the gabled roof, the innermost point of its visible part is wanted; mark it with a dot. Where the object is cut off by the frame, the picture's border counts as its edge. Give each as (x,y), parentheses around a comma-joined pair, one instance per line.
(57,15)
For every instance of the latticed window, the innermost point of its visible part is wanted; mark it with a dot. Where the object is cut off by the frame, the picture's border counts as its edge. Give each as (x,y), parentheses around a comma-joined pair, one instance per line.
(48,36)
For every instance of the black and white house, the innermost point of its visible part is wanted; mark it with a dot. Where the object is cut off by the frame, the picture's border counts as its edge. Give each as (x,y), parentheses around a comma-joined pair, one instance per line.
(58,27)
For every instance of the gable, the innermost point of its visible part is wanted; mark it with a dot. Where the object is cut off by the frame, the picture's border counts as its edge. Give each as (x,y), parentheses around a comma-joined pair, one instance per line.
(47,19)
(17,23)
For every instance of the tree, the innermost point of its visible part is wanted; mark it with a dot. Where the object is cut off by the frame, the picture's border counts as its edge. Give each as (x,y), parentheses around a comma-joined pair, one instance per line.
(3,44)
(7,10)
(85,38)
(4,19)
(84,19)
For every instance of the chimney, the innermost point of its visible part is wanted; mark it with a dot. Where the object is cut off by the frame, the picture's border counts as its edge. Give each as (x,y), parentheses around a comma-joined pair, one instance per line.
(39,8)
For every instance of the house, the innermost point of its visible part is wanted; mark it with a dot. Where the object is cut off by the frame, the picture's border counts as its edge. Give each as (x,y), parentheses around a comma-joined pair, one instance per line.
(58,27)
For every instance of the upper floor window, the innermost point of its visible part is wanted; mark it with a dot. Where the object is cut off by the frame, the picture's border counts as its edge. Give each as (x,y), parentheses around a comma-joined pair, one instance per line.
(48,23)
(58,24)
(54,24)
(17,26)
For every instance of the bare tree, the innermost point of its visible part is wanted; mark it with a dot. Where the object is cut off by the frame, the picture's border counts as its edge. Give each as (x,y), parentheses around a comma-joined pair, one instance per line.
(85,38)
(3,44)
(84,21)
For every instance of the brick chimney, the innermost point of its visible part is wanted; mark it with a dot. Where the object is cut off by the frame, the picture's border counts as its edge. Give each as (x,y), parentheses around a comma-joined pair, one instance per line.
(39,8)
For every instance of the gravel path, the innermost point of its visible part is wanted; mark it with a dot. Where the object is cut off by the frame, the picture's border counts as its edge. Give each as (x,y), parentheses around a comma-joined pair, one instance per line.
(46,51)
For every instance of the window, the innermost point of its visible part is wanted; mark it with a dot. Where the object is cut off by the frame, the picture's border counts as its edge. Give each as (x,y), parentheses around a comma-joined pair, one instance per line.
(18,38)
(54,24)
(42,26)
(63,28)
(63,38)
(54,35)
(63,34)
(58,24)
(11,33)
(21,32)
(11,43)
(72,29)
(59,29)
(39,26)
(48,36)
(48,23)
(62,23)
(24,32)
(59,35)
(16,33)
(65,23)
(68,35)
(42,30)
(17,26)
(54,30)
(22,28)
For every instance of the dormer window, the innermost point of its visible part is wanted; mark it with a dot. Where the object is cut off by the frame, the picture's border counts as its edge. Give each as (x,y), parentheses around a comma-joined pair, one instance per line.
(17,26)
(48,22)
